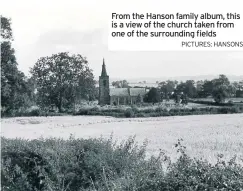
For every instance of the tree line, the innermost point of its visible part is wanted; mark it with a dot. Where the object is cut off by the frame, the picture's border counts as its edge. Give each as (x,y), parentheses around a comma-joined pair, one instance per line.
(219,89)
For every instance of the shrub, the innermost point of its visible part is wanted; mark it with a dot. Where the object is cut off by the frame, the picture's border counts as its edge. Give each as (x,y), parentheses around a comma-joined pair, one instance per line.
(83,111)
(95,108)
(212,103)
(27,169)
(141,115)
(135,109)
(175,111)
(35,112)
(55,164)
(99,164)
(129,113)
(231,102)
(160,109)
(148,110)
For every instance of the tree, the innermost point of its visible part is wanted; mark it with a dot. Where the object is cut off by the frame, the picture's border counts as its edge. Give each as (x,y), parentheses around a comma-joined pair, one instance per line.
(188,88)
(6,30)
(222,80)
(199,88)
(221,88)
(62,80)
(180,88)
(207,88)
(152,96)
(14,87)
(167,88)
(232,90)
(184,99)
(139,99)
(240,85)
(177,98)
(220,93)
(239,88)
(120,84)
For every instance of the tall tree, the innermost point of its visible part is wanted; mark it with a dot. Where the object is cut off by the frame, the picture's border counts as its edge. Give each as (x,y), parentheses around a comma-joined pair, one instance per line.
(199,88)
(222,80)
(6,30)
(63,79)
(190,89)
(187,88)
(167,88)
(221,88)
(239,88)
(207,88)
(152,96)
(14,89)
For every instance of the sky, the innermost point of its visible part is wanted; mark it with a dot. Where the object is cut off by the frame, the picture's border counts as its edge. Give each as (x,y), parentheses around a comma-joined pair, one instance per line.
(42,28)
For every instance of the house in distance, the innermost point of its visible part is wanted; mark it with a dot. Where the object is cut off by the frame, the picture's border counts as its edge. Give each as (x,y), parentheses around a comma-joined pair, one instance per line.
(117,96)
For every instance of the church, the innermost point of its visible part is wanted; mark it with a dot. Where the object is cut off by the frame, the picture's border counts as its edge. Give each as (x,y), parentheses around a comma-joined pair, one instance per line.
(117,96)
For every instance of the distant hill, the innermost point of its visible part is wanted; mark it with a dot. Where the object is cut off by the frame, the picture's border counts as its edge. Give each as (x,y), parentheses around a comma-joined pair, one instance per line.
(178,78)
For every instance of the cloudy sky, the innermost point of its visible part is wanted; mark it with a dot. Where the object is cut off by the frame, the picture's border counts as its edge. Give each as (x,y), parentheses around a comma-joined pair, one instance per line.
(44,27)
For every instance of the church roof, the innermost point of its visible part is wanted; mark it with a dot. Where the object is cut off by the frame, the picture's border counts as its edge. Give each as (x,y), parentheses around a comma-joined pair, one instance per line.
(119,92)
(127,91)
(137,91)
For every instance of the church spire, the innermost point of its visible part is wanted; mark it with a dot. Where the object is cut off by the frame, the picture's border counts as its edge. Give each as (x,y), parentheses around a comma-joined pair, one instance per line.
(103,73)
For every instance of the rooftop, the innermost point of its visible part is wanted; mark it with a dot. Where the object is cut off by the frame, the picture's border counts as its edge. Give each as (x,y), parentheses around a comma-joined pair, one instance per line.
(127,91)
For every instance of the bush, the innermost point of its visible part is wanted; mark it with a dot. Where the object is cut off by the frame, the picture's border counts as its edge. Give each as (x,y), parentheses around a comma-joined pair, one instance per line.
(160,109)
(135,109)
(95,109)
(99,164)
(83,111)
(141,115)
(55,164)
(129,113)
(148,110)
(35,112)
(212,103)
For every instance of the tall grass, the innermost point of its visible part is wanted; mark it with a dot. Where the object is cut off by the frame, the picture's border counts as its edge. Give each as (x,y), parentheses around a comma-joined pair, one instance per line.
(99,164)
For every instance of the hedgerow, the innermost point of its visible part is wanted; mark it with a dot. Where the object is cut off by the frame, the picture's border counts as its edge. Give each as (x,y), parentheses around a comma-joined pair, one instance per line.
(99,164)
(159,112)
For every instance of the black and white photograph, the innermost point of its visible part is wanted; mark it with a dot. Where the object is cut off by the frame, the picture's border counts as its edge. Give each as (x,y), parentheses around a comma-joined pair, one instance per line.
(76,116)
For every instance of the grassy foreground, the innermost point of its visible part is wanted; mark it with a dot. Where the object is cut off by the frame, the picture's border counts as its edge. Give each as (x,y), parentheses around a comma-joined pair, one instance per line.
(99,164)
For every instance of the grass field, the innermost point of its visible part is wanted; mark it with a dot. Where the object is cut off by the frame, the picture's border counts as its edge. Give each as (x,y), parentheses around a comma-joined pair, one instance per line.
(204,136)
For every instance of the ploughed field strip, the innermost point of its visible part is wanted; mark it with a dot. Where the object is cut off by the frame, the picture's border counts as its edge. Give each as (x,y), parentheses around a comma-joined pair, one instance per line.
(204,136)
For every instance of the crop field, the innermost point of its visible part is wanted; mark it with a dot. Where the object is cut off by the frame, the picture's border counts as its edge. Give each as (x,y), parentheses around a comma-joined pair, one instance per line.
(204,136)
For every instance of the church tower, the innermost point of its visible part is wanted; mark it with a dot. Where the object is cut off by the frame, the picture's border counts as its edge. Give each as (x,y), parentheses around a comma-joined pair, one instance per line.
(104,87)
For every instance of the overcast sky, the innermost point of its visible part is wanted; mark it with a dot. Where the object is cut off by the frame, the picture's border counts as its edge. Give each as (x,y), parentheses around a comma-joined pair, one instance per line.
(44,27)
